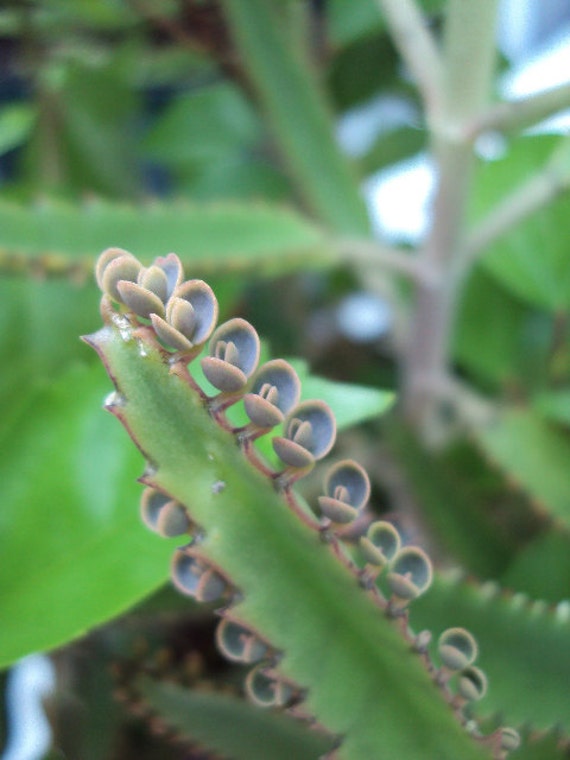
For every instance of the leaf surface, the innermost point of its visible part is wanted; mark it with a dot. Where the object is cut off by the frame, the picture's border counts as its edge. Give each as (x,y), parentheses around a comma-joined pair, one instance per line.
(215,237)
(535,455)
(362,679)
(74,552)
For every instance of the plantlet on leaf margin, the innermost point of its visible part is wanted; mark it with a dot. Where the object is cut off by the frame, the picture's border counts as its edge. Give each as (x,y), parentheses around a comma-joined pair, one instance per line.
(256,555)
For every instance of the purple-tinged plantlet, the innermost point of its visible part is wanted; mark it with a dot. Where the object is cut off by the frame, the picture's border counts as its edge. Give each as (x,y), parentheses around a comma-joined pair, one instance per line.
(409,577)
(471,684)
(153,286)
(234,353)
(113,266)
(191,315)
(196,578)
(510,739)
(266,689)
(310,432)
(238,643)
(380,544)
(275,391)
(347,489)
(457,648)
(163,515)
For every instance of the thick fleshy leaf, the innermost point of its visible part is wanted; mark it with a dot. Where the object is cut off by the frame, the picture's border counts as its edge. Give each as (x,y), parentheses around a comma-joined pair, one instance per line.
(542,568)
(363,682)
(74,552)
(523,648)
(231,726)
(208,238)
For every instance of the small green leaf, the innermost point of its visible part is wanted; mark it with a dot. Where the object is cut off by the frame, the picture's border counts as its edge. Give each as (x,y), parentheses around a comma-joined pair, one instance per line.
(15,125)
(350,403)
(535,454)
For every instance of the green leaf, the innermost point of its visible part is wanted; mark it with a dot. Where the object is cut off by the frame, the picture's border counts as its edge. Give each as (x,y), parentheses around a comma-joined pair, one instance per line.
(542,568)
(549,746)
(531,260)
(523,648)
(74,552)
(16,122)
(535,455)
(231,726)
(350,403)
(489,330)
(39,322)
(298,114)
(61,237)
(203,126)
(362,680)
(554,405)
(458,499)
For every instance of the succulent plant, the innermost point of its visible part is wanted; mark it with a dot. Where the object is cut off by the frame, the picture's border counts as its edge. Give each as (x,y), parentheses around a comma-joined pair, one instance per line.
(324,622)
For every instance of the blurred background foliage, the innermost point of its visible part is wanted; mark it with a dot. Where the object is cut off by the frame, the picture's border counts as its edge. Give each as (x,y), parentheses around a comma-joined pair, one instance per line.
(209,129)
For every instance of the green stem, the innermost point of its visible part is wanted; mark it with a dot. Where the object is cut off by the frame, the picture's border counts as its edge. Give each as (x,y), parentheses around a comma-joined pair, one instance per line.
(416,46)
(469,54)
(538,191)
(525,112)
(375,254)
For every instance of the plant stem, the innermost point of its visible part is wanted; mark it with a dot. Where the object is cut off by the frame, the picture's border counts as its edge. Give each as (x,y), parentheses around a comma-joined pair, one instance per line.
(469,54)
(525,112)
(362,251)
(539,190)
(417,47)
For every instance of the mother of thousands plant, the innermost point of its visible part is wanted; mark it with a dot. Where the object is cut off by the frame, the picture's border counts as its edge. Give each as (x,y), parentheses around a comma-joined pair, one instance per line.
(341,619)
(319,610)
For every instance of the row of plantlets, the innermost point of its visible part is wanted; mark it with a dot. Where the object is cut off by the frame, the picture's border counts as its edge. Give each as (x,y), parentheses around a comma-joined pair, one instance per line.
(315,600)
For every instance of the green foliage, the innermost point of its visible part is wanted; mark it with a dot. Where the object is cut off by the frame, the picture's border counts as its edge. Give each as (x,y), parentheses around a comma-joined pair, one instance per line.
(208,129)
(513,259)
(63,238)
